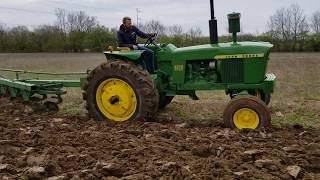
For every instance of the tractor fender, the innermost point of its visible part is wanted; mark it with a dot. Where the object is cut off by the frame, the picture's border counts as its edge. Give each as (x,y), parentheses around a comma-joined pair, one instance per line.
(130,55)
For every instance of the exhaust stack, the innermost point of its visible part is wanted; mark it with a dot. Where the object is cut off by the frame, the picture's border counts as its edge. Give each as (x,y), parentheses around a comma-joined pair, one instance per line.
(213,25)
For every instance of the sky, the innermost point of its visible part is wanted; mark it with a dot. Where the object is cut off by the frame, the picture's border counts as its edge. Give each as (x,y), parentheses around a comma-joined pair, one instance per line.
(188,13)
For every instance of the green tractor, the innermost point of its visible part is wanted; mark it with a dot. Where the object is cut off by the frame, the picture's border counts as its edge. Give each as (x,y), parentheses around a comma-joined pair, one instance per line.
(120,90)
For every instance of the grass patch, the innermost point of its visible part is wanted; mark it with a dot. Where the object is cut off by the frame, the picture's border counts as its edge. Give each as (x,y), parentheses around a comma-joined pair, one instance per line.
(72,110)
(302,117)
(312,98)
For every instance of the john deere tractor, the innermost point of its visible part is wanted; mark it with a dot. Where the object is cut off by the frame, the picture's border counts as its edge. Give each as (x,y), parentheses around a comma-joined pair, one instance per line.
(120,90)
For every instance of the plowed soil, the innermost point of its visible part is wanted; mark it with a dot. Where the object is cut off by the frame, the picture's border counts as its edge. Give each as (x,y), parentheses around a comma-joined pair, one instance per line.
(35,145)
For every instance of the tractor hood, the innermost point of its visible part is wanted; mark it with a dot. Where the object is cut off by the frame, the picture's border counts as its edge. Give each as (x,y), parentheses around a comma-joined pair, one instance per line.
(208,51)
(213,51)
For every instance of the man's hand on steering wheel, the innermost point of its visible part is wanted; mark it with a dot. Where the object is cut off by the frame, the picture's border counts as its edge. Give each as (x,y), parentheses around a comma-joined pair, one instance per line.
(153,36)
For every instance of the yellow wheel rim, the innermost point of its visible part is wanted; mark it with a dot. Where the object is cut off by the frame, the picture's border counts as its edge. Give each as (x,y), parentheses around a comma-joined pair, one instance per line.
(246,118)
(116,100)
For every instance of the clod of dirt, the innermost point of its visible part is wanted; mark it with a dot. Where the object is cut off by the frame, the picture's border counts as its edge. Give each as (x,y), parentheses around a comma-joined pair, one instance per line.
(263,162)
(314,168)
(148,136)
(4,101)
(110,169)
(87,173)
(253,152)
(313,146)
(35,172)
(28,109)
(1,158)
(7,168)
(166,134)
(202,151)
(169,165)
(223,133)
(52,168)
(182,125)
(240,173)
(136,176)
(294,171)
(28,150)
(57,178)
(220,151)
(294,149)
(35,161)
(57,120)
(263,134)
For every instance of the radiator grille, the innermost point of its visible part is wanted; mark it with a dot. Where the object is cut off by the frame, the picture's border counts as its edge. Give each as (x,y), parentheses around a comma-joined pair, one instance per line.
(232,71)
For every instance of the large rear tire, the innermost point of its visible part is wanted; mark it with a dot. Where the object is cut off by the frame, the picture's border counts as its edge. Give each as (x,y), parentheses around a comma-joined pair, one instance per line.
(247,112)
(119,91)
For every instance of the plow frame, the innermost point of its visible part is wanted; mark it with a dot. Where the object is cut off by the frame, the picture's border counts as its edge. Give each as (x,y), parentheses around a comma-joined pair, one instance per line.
(26,88)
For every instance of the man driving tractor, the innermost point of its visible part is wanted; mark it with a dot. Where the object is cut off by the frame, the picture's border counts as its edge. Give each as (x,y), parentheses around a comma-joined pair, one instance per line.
(127,37)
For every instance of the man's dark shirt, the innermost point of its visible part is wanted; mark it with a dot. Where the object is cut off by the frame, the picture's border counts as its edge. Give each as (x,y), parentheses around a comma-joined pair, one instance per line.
(128,37)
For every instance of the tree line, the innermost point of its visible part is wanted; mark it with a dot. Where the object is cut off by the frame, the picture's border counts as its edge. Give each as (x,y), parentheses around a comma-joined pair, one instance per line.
(289,29)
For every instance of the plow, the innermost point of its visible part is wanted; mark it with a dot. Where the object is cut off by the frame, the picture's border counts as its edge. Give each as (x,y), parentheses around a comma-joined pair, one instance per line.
(48,92)
(121,90)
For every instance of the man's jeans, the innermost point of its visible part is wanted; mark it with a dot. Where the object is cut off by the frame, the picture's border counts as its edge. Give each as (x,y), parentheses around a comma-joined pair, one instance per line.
(148,62)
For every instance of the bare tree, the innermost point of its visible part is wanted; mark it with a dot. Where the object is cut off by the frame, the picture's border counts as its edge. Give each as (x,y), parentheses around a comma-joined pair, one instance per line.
(193,35)
(175,30)
(299,22)
(279,24)
(154,26)
(61,19)
(2,29)
(315,22)
(75,21)
(195,32)
(80,21)
(289,24)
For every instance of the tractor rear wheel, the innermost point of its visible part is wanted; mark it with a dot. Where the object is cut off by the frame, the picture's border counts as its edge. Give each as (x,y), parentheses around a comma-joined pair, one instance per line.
(119,91)
(247,112)
(164,101)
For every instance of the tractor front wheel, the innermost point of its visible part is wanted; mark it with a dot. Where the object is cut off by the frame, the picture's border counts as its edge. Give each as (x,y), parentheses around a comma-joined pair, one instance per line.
(247,112)
(119,91)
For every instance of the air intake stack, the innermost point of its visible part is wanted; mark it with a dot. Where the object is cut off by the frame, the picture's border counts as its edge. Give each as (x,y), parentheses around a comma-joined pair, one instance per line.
(234,25)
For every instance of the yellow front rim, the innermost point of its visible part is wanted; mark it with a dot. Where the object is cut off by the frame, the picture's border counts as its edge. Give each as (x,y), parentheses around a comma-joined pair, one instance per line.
(246,118)
(116,100)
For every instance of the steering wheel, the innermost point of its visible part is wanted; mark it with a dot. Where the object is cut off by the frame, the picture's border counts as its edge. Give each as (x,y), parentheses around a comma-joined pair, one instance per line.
(150,40)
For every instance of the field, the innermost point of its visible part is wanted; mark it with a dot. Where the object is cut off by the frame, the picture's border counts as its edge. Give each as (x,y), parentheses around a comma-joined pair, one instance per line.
(189,142)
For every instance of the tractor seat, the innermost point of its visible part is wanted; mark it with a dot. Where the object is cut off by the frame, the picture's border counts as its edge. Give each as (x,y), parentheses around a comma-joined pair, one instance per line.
(123,49)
